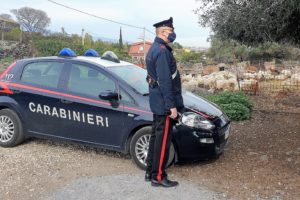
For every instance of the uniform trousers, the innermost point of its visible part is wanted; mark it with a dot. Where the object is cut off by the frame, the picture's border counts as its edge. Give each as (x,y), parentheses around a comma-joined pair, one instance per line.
(159,146)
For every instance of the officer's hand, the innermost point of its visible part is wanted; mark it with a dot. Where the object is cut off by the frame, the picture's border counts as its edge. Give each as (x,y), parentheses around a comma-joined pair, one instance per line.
(173,113)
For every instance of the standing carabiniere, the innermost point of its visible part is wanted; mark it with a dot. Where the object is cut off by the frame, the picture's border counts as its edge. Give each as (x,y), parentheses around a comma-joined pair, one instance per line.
(165,99)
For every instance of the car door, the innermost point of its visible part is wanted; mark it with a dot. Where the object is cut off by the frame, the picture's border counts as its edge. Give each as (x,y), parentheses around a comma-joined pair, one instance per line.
(37,93)
(91,119)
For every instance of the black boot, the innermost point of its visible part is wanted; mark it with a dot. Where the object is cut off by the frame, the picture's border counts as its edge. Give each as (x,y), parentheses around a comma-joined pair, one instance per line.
(165,182)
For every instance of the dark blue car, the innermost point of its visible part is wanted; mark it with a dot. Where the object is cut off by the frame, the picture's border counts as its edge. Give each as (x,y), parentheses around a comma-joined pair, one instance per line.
(102,102)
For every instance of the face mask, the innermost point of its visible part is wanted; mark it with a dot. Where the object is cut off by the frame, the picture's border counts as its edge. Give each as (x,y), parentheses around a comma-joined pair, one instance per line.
(172,37)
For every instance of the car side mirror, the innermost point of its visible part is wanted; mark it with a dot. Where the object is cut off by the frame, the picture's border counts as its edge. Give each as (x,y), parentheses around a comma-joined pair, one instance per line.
(109,95)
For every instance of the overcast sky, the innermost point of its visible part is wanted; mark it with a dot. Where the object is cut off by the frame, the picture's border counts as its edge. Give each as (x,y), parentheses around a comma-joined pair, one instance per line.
(136,12)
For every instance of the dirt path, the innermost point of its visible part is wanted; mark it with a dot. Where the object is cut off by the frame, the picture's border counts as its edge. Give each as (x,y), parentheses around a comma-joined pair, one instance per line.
(262,160)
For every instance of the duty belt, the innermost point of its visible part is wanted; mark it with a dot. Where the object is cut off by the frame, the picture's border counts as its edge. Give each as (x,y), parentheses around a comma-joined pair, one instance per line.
(153,83)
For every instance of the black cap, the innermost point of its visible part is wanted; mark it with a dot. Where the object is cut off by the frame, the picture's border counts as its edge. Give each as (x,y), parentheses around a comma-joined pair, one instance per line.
(168,23)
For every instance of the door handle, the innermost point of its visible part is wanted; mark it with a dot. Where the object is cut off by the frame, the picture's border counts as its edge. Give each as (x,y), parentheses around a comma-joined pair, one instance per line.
(66,101)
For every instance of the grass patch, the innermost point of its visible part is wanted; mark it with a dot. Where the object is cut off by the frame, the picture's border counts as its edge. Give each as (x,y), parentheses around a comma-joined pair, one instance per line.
(8,59)
(5,62)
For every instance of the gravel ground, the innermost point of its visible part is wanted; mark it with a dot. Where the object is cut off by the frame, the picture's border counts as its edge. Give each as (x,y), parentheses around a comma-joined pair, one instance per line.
(41,169)
(261,161)
(129,186)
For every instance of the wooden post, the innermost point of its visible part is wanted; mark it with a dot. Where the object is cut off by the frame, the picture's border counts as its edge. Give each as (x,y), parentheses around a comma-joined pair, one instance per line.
(21,35)
(2,33)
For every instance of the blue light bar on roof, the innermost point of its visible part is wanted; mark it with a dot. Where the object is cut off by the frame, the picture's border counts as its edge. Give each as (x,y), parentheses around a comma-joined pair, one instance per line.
(67,52)
(92,53)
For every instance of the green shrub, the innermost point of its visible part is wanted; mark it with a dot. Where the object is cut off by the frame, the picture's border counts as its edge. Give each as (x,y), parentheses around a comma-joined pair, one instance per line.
(231,97)
(236,111)
(235,104)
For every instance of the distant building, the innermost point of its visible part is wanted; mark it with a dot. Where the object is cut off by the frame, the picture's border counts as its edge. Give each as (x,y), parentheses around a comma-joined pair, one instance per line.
(198,49)
(136,52)
(7,25)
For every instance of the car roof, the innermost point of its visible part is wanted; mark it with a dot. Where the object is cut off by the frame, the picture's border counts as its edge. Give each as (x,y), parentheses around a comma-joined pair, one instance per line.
(102,62)
(90,59)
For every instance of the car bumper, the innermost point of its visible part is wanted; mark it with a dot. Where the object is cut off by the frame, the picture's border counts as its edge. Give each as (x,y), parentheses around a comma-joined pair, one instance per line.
(194,145)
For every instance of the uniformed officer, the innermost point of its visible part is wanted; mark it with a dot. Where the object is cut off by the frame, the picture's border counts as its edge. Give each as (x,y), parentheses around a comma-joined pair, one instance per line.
(165,99)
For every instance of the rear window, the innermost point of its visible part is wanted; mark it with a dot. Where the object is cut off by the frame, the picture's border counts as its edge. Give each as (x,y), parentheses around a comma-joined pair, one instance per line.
(88,81)
(42,73)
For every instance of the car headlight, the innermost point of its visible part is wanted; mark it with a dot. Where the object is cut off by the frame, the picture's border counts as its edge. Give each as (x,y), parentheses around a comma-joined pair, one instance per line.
(196,121)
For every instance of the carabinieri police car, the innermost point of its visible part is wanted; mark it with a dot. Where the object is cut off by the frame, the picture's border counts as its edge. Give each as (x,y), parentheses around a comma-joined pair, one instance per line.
(100,101)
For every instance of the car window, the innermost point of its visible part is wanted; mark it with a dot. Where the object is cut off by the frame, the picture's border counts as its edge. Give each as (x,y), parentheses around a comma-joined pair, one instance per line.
(88,81)
(134,76)
(43,73)
(126,97)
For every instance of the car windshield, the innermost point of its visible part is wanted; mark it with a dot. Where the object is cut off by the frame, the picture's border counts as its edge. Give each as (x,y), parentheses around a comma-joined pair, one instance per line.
(134,76)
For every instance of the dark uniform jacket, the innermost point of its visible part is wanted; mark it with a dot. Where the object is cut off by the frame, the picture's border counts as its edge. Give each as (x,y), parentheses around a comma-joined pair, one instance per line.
(161,65)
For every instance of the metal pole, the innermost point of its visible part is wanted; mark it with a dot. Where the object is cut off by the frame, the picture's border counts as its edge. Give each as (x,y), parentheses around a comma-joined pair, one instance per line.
(82,37)
(21,36)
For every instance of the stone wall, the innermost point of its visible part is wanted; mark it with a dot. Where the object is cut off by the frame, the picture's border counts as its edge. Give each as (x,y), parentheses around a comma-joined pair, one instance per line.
(15,50)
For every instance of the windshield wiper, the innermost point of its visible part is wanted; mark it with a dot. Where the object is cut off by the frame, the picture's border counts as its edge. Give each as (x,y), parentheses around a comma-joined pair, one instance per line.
(146,94)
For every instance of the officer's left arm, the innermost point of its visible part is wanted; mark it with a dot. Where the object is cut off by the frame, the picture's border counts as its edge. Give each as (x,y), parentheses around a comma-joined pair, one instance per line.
(164,76)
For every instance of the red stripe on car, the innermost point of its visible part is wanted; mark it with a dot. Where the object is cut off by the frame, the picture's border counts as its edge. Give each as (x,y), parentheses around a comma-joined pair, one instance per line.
(201,113)
(7,70)
(5,89)
(65,95)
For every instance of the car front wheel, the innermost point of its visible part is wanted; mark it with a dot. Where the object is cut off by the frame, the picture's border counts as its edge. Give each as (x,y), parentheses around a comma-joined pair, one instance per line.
(139,146)
(11,133)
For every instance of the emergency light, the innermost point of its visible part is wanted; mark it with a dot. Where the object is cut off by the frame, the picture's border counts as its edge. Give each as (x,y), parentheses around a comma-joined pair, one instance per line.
(92,53)
(110,56)
(67,52)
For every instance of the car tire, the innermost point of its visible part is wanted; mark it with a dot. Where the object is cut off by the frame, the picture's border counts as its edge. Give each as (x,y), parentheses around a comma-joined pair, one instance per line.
(141,138)
(11,130)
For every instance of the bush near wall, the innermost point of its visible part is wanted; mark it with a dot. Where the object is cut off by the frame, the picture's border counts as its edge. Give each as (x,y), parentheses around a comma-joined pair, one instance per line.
(235,104)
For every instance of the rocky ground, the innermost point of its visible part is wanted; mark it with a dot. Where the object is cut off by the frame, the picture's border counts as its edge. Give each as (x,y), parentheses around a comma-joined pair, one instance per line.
(261,161)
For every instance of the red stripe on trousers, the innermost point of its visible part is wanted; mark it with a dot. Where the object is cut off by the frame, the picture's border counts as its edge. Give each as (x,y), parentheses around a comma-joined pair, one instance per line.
(163,148)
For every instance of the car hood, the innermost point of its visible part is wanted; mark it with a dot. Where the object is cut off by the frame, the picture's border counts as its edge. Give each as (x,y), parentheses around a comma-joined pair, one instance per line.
(193,103)
(197,103)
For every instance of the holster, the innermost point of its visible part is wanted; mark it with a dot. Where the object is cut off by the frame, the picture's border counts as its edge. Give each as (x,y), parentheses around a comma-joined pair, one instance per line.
(152,82)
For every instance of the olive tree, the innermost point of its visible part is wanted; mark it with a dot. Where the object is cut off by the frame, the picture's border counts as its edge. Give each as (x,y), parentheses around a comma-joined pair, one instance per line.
(32,20)
(252,21)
